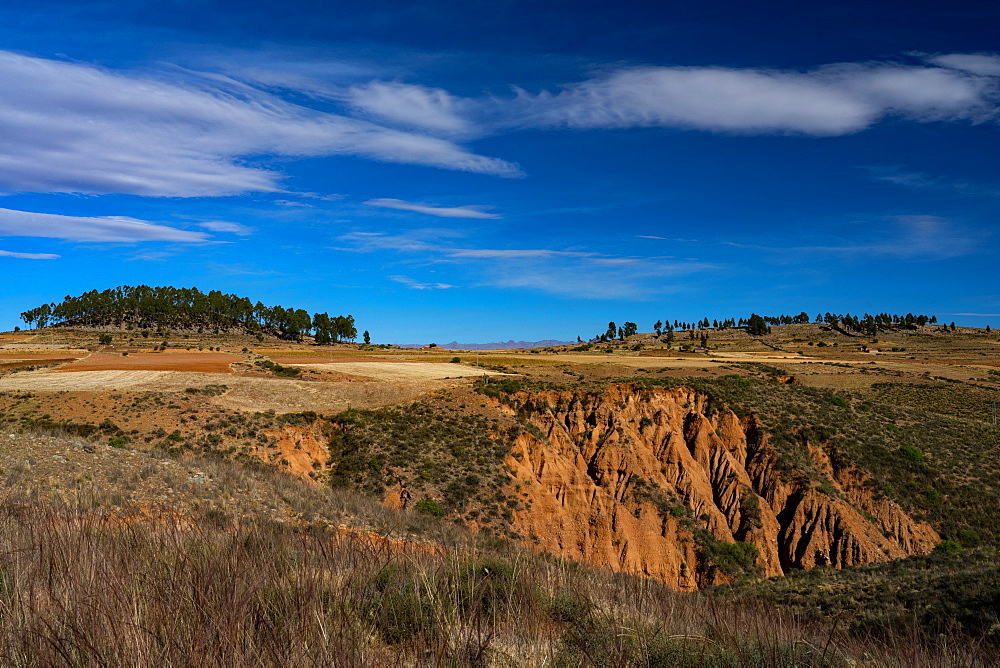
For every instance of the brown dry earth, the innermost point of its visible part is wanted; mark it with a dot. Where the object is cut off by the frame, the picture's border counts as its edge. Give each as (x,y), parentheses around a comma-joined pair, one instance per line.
(586,487)
(162,361)
(583,479)
(396,371)
(299,450)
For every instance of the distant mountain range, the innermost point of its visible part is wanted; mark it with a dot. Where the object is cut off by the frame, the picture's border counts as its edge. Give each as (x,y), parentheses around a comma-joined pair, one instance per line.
(504,345)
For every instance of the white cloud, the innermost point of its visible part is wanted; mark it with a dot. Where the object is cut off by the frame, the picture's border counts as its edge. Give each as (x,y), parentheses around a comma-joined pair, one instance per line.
(417,106)
(70,127)
(917,180)
(225,226)
(574,274)
(977,63)
(433,209)
(416,285)
(30,256)
(917,238)
(831,100)
(327,198)
(89,228)
(67,127)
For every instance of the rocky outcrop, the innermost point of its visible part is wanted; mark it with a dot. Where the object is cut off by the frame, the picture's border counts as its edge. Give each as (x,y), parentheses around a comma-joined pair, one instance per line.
(651,481)
(300,451)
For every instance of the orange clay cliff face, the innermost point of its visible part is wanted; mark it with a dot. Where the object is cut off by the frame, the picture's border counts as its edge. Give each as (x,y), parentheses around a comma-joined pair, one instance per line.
(654,483)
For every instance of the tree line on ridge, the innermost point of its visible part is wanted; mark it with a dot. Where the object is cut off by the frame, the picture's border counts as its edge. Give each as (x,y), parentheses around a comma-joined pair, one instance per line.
(163,308)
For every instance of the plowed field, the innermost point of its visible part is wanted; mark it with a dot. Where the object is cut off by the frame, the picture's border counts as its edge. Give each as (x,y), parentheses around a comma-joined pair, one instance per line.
(165,361)
(391,371)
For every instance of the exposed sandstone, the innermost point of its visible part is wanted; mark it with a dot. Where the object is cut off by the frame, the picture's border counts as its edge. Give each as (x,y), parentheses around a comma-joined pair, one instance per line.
(639,480)
(298,450)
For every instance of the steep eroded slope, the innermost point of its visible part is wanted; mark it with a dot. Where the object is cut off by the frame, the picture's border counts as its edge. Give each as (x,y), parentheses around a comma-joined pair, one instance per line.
(660,482)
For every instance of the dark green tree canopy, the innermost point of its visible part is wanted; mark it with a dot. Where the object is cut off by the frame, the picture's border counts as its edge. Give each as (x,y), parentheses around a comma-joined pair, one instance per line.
(169,308)
(756,325)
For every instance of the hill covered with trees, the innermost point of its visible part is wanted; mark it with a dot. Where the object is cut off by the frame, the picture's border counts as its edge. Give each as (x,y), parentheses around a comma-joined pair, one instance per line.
(169,308)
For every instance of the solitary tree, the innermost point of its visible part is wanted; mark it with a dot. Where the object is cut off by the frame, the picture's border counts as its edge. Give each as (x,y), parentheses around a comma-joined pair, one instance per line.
(368,338)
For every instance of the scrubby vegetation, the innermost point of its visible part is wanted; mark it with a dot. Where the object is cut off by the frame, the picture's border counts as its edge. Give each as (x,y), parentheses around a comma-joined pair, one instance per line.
(456,460)
(942,593)
(84,589)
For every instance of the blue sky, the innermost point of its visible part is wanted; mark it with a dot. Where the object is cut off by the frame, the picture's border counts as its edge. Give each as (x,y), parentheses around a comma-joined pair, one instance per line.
(487,171)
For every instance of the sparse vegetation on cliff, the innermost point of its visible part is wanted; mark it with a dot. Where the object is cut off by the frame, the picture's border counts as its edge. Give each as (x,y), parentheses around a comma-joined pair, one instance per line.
(455,460)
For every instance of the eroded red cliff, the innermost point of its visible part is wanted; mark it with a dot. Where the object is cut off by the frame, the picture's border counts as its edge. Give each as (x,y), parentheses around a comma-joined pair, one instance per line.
(642,480)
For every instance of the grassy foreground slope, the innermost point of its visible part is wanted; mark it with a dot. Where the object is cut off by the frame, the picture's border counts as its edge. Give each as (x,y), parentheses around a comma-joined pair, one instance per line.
(82,588)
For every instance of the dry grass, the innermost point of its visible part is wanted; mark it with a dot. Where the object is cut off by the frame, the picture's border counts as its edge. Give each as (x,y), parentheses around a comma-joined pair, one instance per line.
(80,588)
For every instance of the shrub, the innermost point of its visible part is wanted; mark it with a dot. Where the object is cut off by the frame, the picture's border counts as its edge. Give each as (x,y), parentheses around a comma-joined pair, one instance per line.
(838,401)
(456,360)
(429,507)
(911,453)
(948,547)
(734,559)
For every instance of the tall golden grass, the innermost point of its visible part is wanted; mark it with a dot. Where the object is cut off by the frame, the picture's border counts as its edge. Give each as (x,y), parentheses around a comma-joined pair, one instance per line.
(83,587)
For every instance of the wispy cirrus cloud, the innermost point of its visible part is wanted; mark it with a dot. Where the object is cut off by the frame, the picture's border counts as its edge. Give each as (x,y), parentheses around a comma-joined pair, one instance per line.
(29,256)
(918,180)
(417,285)
(431,109)
(15,223)
(911,237)
(226,226)
(567,273)
(77,128)
(658,238)
(69,127)
(987,64)
(434,209)
(828,101)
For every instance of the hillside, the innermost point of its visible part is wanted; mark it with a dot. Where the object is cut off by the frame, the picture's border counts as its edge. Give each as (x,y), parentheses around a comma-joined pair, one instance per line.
(221,564)
(764,457)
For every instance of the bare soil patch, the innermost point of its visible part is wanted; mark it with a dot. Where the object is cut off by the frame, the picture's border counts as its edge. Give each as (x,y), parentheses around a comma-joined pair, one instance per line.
(6,365)
(692,362)
(245,393)
(163,361)
(403,371)
(48,381)
(26,355)
(302,360)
